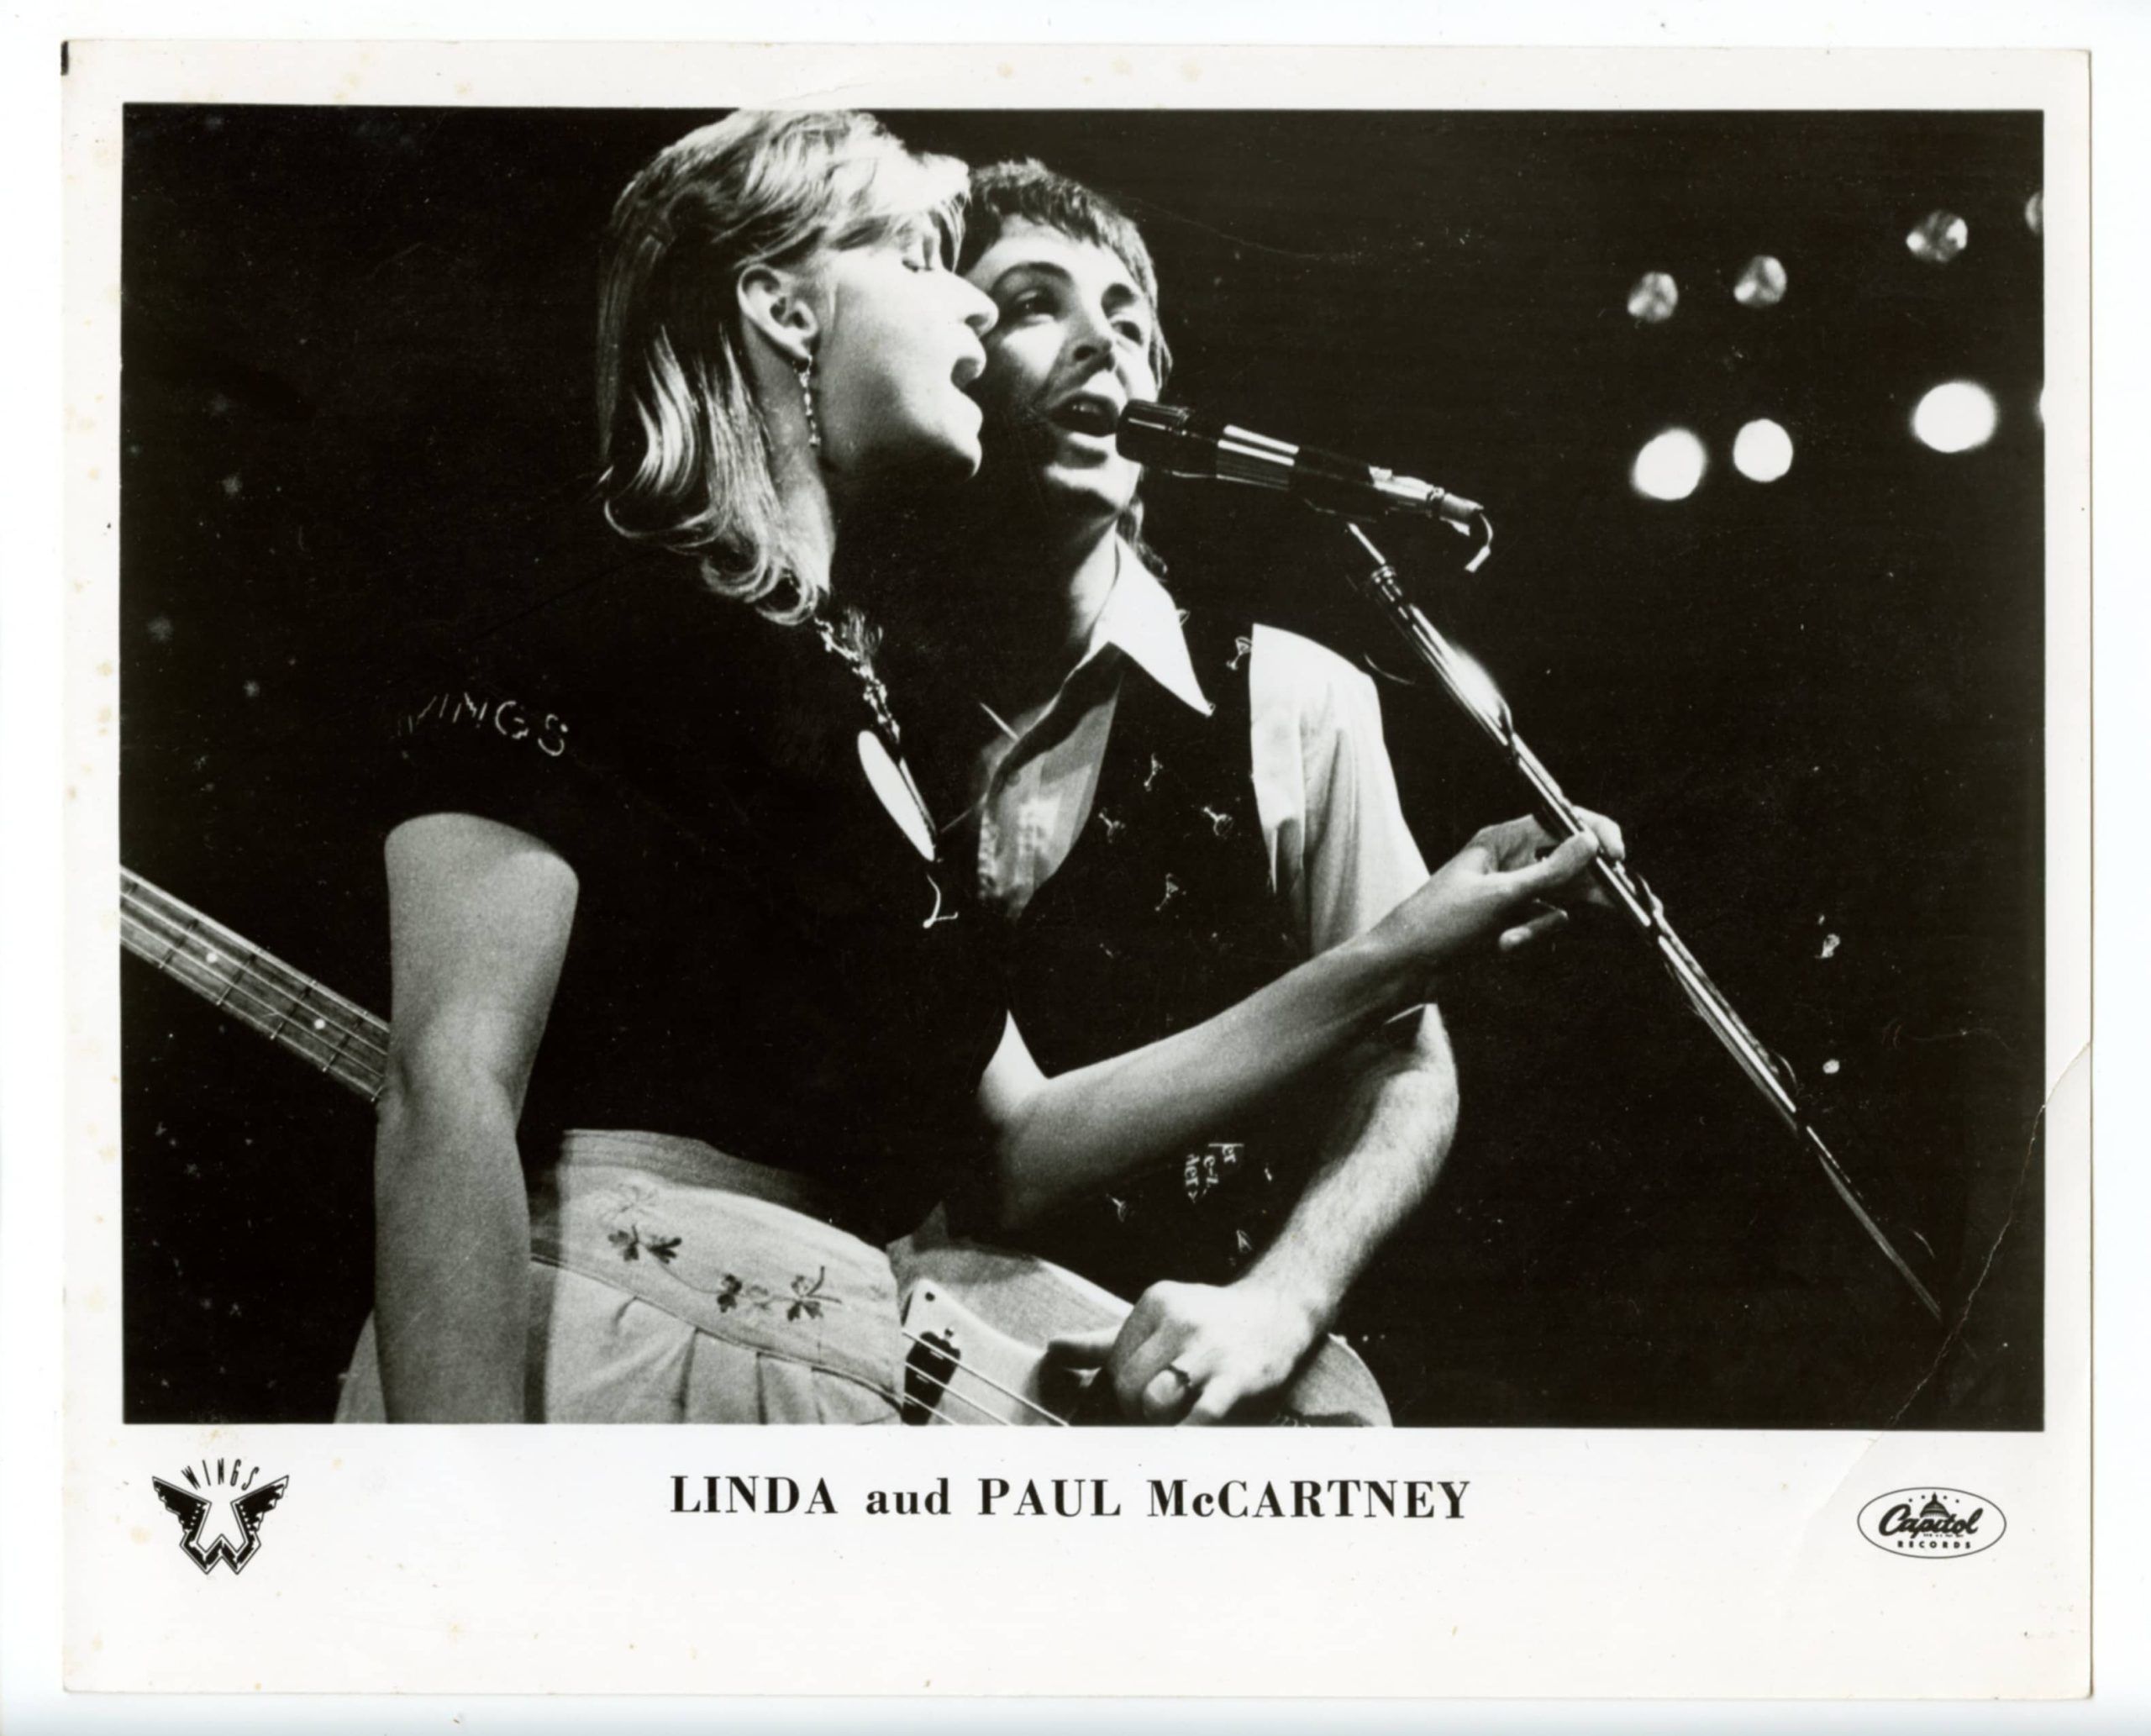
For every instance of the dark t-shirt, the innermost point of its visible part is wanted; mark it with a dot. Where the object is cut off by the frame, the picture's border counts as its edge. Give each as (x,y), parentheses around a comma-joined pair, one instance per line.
(756,959)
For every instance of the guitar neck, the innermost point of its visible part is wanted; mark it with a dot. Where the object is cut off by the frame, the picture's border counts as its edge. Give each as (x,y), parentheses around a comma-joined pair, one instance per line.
(338,1037)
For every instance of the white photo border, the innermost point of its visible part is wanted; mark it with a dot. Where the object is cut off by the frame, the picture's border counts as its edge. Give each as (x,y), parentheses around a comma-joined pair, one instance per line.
(2064,629)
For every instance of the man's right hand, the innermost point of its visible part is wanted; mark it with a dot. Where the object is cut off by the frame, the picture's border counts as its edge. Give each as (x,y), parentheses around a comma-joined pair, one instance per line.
(1193,1353)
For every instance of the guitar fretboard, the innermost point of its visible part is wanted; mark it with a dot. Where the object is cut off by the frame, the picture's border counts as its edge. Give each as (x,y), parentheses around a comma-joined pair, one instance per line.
(338,1037)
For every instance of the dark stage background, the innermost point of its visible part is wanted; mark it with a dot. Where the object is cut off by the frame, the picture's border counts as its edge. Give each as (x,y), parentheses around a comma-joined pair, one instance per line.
(357,352)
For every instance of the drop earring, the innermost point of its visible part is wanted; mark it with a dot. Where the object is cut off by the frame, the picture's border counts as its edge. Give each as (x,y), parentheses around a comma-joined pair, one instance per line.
(807,397)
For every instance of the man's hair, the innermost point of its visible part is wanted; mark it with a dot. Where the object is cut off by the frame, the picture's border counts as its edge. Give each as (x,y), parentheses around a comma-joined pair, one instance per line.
(1024,187)
(685,450)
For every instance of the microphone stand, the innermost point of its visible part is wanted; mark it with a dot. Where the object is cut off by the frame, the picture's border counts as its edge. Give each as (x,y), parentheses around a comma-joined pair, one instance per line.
(1474,692)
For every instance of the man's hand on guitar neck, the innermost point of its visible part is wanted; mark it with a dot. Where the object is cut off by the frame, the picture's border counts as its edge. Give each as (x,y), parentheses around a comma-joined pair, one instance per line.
(1194,1353)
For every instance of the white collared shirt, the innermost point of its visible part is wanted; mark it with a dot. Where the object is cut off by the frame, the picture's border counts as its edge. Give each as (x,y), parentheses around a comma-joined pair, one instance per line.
(1340,854)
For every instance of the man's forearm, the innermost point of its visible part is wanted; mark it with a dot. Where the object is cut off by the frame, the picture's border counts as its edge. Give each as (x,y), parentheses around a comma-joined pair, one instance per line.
(1396,1116)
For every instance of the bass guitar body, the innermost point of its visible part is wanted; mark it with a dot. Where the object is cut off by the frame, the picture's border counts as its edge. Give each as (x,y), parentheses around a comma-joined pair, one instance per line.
(979,1319)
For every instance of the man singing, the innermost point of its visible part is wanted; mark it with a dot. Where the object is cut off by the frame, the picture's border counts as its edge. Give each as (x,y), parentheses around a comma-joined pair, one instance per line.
(1162,811)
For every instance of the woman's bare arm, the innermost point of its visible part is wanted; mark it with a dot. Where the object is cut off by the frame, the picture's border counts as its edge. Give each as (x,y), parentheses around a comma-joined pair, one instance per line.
(479,917)
(1057,1138)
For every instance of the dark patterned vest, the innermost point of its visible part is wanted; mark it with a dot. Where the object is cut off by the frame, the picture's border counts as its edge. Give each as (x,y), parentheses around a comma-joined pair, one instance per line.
(1162,916)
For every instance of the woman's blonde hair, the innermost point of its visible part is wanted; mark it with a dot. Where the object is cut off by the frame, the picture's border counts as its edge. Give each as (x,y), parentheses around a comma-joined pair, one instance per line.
(688,464)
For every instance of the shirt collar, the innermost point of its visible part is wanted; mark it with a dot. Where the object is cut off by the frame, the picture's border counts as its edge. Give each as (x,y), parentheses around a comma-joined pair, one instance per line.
(1141,621)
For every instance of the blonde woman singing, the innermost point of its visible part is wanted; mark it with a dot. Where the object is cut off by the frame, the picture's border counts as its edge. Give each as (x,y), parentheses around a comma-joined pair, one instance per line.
(683,1032)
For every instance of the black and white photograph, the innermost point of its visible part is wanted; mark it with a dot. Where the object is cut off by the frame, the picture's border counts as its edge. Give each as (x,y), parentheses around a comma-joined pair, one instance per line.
(1372,765)
(1755,401)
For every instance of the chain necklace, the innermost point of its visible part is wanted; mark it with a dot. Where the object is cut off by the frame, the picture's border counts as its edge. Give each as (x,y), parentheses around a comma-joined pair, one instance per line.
(870,685)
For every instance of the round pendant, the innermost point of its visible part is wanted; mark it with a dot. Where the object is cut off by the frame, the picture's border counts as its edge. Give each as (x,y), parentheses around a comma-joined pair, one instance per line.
(895,789)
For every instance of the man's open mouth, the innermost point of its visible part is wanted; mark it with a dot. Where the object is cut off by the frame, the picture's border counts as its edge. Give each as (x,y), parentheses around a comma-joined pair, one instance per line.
(1086,415)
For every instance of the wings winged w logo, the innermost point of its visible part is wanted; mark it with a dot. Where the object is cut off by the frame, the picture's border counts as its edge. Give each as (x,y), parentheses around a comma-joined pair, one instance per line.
(218,1508)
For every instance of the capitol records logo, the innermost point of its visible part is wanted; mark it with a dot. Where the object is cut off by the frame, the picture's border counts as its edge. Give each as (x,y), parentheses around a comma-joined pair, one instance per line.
(220,1514)
(1932,1523)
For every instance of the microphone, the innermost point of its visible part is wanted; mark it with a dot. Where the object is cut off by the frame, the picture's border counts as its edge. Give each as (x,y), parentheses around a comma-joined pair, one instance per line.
(1183,443)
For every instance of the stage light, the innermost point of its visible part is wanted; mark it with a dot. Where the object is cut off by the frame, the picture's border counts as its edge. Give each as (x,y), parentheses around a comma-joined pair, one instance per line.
(2035,214)
(1653,298)
(1956,417)
(1939,237)
(1762,283)
(1762,452)
(1669,465)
